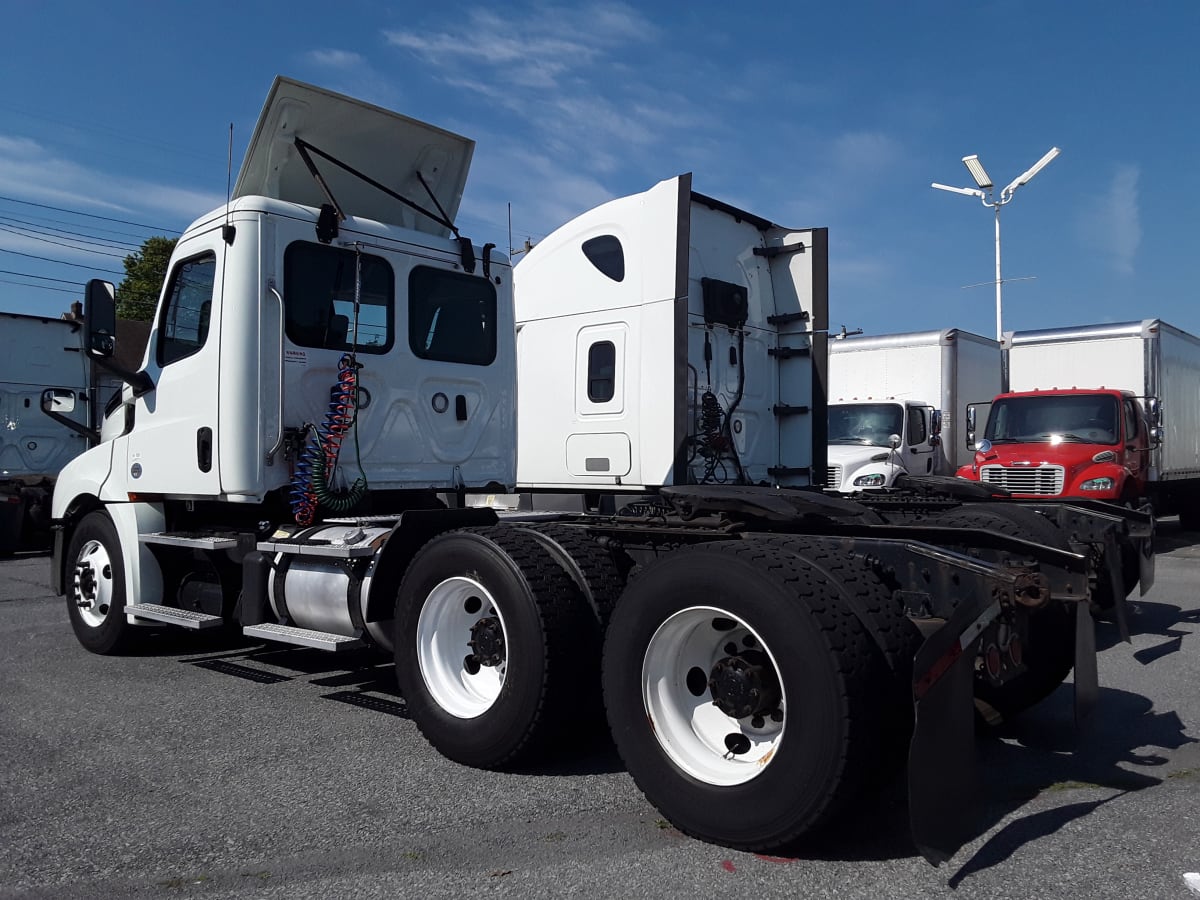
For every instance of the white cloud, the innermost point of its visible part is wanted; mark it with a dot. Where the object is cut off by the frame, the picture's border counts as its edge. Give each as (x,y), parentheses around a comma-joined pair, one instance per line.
(335,59)
(1112,222)
(32,171)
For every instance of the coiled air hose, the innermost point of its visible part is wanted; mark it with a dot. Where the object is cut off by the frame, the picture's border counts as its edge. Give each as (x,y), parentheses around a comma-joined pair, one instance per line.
(310,483)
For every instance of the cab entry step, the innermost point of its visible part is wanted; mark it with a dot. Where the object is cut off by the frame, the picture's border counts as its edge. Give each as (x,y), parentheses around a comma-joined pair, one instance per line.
(184,618)
(303,637)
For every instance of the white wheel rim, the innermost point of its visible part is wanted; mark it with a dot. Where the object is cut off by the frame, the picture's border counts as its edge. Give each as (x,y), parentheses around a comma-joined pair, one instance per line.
(444,631)
(690,728)
(93,584)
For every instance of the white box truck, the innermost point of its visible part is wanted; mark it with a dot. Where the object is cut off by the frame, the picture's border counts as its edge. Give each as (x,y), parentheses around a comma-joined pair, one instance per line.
(1104,412)
(898,401)
(43,367)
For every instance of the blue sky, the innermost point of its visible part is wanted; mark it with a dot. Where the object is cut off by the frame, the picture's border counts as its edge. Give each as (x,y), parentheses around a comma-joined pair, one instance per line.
(838,115)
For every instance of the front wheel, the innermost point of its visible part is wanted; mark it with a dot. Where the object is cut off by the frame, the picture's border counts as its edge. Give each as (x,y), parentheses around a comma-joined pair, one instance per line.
(741,694)
(96,587)
(496,650)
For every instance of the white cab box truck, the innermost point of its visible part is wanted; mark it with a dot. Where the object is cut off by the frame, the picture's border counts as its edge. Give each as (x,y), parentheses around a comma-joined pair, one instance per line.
(334,370)
(897,402)
(45,403)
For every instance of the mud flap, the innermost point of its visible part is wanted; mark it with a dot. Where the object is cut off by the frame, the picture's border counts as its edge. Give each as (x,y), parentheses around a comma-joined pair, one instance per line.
(1087,678)
(1112,557)
(941,760)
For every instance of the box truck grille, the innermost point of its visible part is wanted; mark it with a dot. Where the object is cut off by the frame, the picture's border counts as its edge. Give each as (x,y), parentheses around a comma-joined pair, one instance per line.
(1046,481)
(833,477)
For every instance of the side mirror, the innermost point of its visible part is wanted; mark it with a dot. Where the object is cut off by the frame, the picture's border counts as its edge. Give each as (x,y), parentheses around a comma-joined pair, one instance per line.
(970,427)
(894,441)
(1154,411)
(100,334)
(984,446)
(1156,435)
(57,403)
(58,400)
(100,319)
(935,421)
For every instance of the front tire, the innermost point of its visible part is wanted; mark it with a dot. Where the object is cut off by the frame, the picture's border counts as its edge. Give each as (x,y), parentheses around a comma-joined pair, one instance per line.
(741,693)
(494,646)
(96,587)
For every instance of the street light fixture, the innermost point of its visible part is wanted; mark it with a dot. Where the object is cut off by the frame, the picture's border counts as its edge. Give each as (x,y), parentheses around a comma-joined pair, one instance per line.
(985,194)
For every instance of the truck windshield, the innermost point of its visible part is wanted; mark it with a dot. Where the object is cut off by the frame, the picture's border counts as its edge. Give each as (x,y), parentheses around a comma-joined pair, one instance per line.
(1082,418)
(865,423)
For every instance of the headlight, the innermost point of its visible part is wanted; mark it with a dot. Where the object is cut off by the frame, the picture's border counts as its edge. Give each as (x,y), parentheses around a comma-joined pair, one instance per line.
(1097,484)
(875,480)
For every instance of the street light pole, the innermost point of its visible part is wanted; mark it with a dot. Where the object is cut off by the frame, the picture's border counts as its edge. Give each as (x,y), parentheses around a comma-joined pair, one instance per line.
(985,194)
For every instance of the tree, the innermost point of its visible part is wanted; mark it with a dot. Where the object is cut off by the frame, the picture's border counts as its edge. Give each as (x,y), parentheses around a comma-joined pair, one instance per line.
(144,273)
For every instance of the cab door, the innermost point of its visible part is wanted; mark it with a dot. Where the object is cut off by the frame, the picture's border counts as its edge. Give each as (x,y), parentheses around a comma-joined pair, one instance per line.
(172,448)
(917,447)
(1135,448)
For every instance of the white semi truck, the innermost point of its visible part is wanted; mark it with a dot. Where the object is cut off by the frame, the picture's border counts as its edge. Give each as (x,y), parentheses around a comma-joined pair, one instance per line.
(334,370)
(43,368)
(898,401)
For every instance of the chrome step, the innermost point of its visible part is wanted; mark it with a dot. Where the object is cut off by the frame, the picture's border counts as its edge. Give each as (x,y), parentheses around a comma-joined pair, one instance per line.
(311,548)
(303,637)
(191,539)
(184,618)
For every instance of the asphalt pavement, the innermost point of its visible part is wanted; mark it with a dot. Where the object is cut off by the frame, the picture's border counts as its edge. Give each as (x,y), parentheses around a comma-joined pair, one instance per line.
(216,768)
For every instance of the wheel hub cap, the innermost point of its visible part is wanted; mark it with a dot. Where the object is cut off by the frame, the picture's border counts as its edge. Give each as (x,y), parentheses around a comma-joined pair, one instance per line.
(744,685)
(487,641)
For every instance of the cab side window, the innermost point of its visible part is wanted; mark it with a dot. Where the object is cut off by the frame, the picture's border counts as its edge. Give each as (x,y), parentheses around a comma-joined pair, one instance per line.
(451,316)
(183,327)
(917,429)
(318,285)
(1131,421)
(602,371)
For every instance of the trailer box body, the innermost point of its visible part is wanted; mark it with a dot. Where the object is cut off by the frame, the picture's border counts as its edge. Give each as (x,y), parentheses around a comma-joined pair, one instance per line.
(40,355)
(908,382)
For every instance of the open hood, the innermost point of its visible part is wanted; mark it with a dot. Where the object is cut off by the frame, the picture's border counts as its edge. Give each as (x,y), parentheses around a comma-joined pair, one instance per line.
(384,146)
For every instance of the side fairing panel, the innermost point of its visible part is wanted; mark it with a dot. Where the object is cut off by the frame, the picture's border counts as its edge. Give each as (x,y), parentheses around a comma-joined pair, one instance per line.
(679,350)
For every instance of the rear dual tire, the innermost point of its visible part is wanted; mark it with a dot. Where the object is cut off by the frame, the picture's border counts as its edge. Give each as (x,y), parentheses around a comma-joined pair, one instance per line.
(754,772)
(494,647)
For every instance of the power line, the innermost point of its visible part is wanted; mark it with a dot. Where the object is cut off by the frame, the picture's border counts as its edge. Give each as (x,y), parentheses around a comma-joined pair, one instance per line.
(41,287)
(60,262)
(41,277)
(50,231)
(40,220)
(90,215)
(46,240)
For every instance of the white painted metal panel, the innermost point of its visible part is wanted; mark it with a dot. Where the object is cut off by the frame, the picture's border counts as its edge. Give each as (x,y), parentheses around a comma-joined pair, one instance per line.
(39,353)
(386,146)
(597,455)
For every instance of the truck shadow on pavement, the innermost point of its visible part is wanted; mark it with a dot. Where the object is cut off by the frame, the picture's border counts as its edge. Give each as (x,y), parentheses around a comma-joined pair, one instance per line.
(1040,757)
(1043,756)
(367,679)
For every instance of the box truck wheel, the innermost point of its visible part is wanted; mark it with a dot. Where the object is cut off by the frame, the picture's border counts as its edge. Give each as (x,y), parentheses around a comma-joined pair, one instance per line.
(494,646)
(742,695)
(1051,651)
(96,586)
